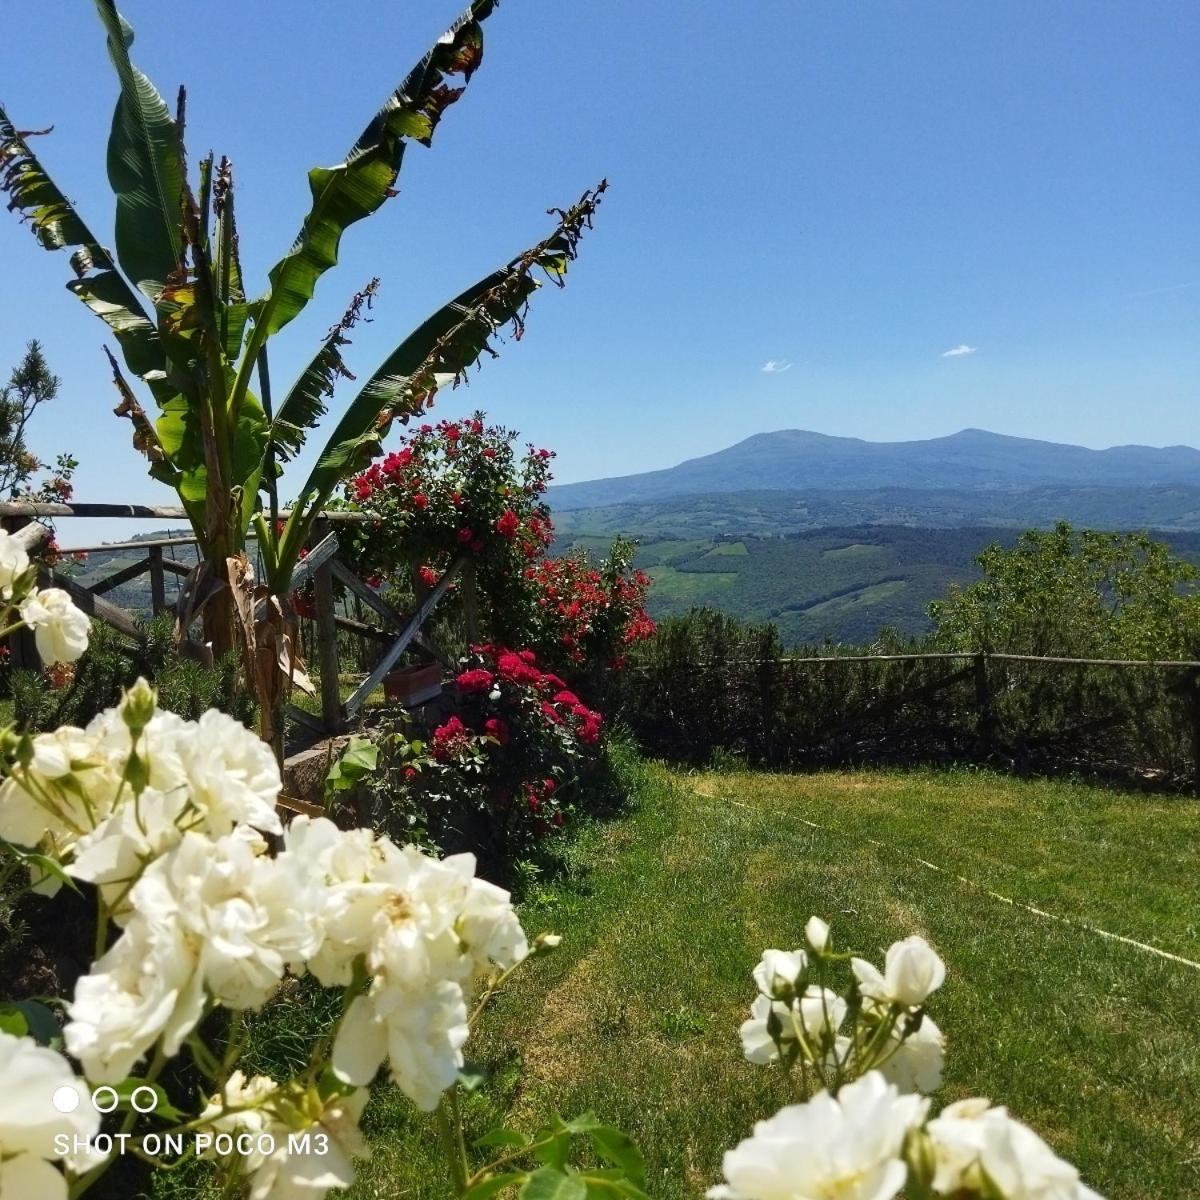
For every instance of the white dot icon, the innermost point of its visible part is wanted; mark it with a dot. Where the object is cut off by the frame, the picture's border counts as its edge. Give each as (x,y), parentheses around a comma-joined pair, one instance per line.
(65,1098)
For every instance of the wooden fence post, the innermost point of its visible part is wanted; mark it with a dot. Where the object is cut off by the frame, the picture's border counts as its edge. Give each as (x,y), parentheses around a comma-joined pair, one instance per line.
(985,729)
(327,651)
(1193,707)
(158,582)
(470,596)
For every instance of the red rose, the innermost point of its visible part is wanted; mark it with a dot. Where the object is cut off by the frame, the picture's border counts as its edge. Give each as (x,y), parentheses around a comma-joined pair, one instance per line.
(496,727)
(508,524)
(489,453)
(551,713)
(464,535)
(428,576)
(448,738)
(565,697)
(420,500)
(478,680)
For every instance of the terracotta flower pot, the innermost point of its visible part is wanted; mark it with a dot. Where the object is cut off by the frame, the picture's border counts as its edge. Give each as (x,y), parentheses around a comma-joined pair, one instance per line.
(413,685)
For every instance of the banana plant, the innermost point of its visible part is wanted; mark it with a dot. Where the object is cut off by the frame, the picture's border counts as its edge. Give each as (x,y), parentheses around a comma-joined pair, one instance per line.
(174,297)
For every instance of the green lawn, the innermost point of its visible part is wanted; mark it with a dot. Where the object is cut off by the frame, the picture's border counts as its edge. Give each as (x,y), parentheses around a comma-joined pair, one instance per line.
(1091,1040)
(665,911)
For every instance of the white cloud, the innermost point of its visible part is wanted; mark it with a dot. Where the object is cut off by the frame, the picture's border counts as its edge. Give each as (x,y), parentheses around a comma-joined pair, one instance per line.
(958,351)
(773,366)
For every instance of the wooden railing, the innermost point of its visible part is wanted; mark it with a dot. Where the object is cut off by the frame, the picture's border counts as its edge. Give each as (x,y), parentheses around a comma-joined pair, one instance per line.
(395,631)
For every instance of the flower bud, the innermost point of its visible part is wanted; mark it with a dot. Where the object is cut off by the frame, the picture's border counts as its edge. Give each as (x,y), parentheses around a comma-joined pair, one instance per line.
(921,1156)
(817,933)
(138,706)
(545,942)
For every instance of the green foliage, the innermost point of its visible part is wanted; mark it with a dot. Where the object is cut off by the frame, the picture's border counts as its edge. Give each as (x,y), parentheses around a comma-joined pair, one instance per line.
(707,687)
(1077,593)
(111,664)
(30,385)
(357,761)
(201,340)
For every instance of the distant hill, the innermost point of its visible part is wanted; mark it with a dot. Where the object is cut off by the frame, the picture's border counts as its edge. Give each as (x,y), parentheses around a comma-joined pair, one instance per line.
(837,584)
(972,460)
(767,513)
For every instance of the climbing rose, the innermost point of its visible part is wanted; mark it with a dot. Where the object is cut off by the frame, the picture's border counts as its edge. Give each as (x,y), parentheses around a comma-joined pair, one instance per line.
(477,680)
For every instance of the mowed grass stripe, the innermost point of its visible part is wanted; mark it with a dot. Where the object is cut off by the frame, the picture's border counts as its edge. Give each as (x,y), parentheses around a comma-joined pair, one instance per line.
(1041,914)
(1123,862)
(665,914)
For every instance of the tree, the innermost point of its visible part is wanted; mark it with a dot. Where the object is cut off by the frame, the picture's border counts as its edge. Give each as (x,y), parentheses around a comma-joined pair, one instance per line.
(1084,593)
(174,297)
(30,385)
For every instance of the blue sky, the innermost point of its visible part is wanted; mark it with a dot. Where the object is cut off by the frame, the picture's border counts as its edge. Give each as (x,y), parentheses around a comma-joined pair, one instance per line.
(845,191)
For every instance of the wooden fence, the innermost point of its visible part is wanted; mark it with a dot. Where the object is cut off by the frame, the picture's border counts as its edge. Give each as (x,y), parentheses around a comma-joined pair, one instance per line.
(394,631)
(790,710)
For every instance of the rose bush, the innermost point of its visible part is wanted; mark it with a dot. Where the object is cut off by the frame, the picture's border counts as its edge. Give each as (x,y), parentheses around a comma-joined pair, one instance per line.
(499,772)
(60,629)
(865,1053)
(459,489)
(195,916)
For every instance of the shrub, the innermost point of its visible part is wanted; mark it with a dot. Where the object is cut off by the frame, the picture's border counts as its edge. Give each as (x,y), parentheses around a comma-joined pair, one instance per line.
(76,694)
(459,488)
(500,774)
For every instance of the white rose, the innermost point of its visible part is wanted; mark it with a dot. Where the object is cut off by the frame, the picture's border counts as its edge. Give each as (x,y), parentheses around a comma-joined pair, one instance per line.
(982,1149)
(146,987)
(915,1064)
(298,1175)
(245,1098)
(839,1149)
(247,915)
(41,804)
(822,1012)
(233,775)
(912,972)
(14,563)
(207,917)
(777,971)
(420,1030)
(758,1045)
(59,628)
(117,850)
(489,927)
(340,863)
(29,1122)
(817,933)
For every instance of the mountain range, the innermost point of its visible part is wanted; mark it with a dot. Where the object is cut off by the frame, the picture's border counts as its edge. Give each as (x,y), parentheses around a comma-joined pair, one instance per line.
(832,538)
(972,460)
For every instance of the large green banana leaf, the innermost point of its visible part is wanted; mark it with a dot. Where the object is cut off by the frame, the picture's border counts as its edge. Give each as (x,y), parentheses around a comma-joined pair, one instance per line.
(356,187)
(57,226)
(145,167)
(437,352)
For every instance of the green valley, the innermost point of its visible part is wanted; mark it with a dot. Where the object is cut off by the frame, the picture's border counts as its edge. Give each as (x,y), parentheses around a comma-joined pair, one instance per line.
(840,584)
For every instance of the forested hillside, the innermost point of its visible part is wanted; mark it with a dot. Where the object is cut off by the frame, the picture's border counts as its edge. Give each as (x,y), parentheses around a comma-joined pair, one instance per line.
(835,584)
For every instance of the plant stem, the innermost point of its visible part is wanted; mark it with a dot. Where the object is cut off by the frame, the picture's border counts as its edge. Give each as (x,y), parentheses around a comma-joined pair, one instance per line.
(451,1142)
